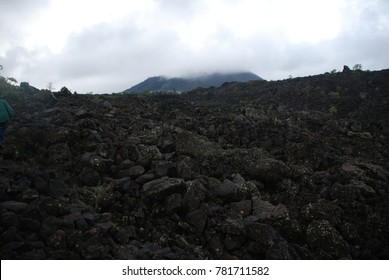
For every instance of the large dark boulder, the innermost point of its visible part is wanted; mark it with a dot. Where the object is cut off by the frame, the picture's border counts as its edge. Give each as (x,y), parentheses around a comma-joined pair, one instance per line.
(161,188)
(196,146)
(324,238)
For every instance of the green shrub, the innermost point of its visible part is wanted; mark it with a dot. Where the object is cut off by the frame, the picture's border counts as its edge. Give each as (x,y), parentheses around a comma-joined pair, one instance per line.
(332,110)
(334,94)
(10,92)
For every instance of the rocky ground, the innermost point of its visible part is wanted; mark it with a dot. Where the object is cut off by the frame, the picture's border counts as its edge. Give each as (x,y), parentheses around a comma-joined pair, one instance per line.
(295,169)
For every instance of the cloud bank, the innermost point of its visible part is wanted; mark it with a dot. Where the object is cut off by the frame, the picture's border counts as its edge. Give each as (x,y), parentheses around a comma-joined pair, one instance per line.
(114,45)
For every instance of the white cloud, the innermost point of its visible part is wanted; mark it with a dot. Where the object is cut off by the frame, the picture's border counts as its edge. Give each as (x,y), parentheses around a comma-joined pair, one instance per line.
(105,46)
(15,19)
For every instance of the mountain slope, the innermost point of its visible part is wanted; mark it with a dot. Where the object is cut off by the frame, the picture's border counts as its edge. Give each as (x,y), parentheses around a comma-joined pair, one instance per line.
(162,83)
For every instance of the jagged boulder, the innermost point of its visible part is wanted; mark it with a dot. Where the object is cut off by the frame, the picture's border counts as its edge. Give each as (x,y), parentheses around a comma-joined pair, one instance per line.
(229,192)
(269,169)
(324,238)
(163,187)
(196,146)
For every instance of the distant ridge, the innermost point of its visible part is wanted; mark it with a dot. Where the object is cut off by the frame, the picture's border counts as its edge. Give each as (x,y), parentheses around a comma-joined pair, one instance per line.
(162,83)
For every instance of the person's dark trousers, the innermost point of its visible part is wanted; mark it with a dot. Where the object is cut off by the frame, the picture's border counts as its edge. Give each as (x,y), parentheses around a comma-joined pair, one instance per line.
(3,129)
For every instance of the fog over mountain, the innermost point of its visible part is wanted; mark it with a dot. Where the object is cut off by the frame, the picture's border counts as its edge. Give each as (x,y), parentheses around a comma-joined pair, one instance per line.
(163,83)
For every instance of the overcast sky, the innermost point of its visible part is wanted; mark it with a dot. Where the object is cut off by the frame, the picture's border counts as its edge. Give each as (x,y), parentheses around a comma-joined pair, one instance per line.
(110,45)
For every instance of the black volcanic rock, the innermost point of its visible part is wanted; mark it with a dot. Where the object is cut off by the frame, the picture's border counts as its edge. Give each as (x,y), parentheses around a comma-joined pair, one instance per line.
(165,84)
(256,170)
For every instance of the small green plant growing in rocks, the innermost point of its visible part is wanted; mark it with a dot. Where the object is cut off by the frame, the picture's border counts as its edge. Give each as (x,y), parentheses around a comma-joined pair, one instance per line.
(16,152)
(99,193)
(334,94)
(332,110)
(146,94)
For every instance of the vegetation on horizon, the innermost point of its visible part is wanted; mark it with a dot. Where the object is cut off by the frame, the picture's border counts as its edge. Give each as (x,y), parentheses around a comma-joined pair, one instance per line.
(9,91)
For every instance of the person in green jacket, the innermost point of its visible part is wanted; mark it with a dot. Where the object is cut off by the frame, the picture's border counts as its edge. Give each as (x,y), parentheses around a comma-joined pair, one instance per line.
(6,113)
